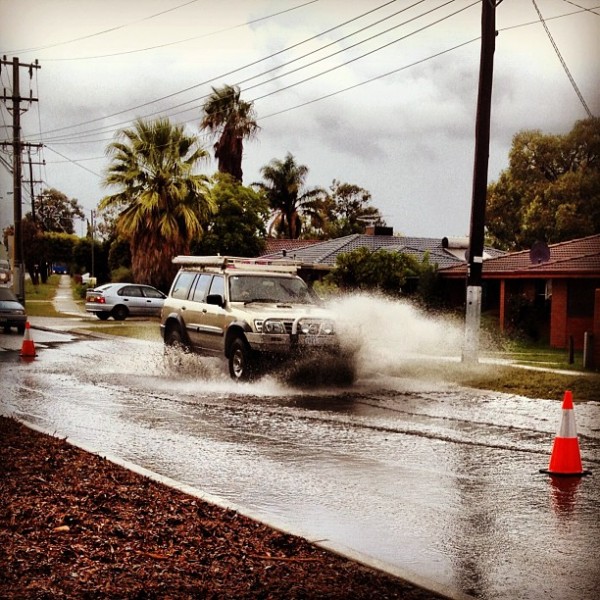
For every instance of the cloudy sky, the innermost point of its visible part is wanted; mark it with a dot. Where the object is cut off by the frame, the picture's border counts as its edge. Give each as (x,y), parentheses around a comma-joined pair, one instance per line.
(381,94)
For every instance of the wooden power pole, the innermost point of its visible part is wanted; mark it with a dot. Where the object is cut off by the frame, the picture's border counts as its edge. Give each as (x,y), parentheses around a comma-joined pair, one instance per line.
(480,175)
(18,261)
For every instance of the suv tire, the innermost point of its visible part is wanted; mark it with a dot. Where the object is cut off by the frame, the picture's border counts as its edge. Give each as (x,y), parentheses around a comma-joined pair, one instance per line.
(242,363)
(174,338)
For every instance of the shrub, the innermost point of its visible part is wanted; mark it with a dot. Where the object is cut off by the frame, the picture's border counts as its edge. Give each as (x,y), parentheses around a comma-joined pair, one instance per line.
(121,275)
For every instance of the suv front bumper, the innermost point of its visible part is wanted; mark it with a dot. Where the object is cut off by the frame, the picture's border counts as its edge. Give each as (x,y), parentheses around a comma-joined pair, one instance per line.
(281,343)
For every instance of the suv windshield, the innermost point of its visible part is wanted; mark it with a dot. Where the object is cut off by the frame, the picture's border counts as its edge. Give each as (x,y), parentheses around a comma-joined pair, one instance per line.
(262,288)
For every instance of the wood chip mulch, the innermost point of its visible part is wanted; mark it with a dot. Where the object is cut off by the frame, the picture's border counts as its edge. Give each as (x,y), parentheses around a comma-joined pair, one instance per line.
(74,525)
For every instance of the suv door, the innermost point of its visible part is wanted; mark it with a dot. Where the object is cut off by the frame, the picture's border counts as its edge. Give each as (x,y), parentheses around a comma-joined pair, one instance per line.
(214,318)
(196,309)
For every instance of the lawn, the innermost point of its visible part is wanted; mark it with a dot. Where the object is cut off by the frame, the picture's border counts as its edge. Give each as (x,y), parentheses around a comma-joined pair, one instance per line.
(38,298)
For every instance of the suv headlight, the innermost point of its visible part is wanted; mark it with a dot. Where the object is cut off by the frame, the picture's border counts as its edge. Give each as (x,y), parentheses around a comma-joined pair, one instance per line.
(316,327)
(273,326)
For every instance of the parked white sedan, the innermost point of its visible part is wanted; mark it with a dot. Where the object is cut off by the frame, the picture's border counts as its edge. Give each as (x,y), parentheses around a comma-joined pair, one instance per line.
(121,300)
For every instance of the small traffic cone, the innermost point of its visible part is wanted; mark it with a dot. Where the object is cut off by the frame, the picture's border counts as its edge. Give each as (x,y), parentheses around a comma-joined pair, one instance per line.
(28,347)
(565,460)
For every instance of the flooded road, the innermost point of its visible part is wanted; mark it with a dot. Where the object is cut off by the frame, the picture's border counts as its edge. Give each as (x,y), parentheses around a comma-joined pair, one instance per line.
(438,481)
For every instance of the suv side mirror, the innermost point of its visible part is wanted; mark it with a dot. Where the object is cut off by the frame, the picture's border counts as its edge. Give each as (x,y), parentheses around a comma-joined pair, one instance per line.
(215,299)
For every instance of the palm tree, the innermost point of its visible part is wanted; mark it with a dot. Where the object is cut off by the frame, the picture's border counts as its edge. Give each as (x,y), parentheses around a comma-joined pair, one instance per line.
(287,196)
(164,204)
(232,120)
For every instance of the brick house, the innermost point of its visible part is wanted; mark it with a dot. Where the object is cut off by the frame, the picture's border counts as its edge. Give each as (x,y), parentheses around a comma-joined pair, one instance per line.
(561,286)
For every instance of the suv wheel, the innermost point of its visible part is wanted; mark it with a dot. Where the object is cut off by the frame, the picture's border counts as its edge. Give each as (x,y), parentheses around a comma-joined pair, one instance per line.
(241,362)
(174,338)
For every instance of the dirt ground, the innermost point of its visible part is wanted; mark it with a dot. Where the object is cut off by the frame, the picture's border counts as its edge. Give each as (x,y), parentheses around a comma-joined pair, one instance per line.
(74,525)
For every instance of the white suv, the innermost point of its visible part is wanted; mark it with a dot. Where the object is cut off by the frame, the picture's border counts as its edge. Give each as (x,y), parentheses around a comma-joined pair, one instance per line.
(248,310)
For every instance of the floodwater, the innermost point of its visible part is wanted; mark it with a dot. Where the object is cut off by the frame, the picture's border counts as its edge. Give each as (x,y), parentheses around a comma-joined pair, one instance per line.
(437,481)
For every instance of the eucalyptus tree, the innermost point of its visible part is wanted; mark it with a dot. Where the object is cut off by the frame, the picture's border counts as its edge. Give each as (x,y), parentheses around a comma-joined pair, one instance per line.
(289,199)
(163,203)
(550,190)
(231,120)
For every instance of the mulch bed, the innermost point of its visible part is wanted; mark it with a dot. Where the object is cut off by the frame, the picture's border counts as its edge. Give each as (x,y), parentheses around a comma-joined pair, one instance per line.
(75,525)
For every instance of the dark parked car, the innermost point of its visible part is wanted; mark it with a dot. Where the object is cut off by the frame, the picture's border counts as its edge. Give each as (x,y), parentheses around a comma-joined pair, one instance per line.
(12,312)
(121,300)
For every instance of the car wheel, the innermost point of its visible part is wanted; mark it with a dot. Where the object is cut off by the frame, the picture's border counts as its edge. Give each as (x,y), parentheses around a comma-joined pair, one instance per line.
(120,313)
(21,329)
(6,329)
(242,363)
(103,316)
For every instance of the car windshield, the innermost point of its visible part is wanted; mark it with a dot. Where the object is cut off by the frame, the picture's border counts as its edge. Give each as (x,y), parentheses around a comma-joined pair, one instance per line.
(262,288)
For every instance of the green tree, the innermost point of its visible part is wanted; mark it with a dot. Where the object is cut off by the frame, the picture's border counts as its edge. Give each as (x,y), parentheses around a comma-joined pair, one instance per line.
(238,225)
(550,191)
(381,270)
(54,211)
(231,120)
(165,204)
(289,199)
(346,210)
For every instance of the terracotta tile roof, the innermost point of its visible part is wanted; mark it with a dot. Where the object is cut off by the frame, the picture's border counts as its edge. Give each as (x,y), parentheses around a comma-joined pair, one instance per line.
(575,258)
(275,245)
(325,253)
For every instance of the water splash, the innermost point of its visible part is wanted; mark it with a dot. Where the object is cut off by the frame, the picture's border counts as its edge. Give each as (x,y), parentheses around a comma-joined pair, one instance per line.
(384,332)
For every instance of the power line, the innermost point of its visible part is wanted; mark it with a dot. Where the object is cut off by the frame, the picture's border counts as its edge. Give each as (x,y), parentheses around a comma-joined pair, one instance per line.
(65,138)
(98,33)
(223,75)
(562,61)
(183,41)
(85,134)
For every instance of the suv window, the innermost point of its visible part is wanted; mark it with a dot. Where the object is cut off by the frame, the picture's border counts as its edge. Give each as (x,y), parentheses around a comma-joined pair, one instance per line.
(217,286)
(182,285)
(201,290)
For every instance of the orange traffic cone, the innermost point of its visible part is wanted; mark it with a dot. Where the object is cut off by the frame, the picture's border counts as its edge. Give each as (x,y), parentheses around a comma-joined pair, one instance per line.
(565,460)
(28,347)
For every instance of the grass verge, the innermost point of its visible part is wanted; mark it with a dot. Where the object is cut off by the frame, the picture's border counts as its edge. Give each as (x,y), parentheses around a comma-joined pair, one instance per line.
(38,298)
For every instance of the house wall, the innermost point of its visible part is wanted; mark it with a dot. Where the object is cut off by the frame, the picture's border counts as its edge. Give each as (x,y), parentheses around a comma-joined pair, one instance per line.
(558,314)
(562,325)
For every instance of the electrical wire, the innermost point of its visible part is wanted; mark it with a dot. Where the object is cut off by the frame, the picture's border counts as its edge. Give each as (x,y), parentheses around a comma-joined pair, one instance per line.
(98,33)
(222,75)
(183,41)
(590,10)
(563,63)
(85,134)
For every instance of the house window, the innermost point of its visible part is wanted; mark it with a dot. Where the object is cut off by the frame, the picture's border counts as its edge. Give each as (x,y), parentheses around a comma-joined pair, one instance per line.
(580,297)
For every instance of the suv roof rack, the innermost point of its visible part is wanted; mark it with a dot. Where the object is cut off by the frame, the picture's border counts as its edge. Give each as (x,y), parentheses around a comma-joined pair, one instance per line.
(236,262)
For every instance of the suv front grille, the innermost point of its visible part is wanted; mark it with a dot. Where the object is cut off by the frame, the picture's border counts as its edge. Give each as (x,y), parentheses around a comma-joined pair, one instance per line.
(288,326)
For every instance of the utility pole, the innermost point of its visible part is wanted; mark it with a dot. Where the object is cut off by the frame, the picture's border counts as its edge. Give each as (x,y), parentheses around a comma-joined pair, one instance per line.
(18,266)
(31,180)
(93,226)
(480,175)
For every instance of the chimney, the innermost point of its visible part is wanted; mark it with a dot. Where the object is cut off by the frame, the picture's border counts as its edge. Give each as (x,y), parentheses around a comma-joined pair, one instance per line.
(378,230)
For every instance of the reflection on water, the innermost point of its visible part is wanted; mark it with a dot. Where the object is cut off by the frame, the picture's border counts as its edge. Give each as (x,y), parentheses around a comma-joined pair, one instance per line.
(563,494)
